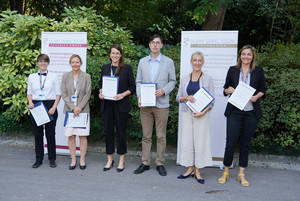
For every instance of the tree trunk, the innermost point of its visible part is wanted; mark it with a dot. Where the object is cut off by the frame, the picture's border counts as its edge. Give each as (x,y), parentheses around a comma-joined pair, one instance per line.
(17,5)
(215,21)
(272,25)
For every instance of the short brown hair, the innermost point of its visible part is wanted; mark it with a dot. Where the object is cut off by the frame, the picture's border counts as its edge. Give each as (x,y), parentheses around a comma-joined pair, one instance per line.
(43,57)
(155,36)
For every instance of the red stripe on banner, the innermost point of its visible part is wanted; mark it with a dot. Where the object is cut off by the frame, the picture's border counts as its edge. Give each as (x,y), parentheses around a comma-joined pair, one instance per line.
(66,45)
(63,147)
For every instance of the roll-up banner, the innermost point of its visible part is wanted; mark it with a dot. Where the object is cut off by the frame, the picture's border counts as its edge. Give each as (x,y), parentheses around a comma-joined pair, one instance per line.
(59,46)
(220,52)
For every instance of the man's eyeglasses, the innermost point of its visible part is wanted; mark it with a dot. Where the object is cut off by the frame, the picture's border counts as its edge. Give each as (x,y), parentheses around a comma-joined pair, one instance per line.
(155,43)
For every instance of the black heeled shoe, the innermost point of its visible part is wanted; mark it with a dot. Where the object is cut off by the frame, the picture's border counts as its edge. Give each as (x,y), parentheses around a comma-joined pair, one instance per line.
(111,165)
(121,169)
(82,167)
(184,177)
(201,181)
(72,167)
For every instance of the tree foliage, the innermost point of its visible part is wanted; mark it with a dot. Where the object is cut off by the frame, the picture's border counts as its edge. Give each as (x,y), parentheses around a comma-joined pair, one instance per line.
(258,22)
(209,11)
(261,22)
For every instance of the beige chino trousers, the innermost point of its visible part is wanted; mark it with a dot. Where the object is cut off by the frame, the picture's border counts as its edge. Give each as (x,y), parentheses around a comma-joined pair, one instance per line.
(148,115)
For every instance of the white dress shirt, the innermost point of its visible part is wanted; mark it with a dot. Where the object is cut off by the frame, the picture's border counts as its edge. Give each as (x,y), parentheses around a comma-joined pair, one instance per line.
(50,90)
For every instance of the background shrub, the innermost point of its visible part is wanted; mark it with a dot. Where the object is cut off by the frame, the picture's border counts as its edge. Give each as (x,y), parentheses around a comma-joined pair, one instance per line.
(279,128)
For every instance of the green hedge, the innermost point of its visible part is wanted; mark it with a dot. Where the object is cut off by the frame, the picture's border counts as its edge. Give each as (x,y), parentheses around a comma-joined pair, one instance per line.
(279,129)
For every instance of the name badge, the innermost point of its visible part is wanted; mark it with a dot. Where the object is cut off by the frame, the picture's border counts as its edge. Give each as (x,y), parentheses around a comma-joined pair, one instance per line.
(73,99)
(42,96)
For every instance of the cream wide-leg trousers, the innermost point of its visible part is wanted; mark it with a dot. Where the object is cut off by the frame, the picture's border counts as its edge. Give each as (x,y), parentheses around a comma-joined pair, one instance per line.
(195,141)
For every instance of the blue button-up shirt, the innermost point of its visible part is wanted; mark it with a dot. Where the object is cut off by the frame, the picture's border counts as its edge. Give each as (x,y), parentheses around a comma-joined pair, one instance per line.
(154,64)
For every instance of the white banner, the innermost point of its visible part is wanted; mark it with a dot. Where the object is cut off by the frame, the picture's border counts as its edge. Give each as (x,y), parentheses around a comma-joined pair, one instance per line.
(220,52)
(59,46)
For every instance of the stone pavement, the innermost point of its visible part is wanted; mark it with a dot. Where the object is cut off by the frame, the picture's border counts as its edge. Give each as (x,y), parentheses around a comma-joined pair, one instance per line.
(18,181)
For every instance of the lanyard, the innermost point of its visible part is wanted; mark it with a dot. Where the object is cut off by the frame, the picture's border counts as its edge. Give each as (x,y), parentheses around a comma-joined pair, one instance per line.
(42,85)
(111,71)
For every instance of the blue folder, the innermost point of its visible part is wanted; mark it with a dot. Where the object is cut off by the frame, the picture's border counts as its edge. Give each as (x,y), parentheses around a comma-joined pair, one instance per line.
(206,105)
(41,103)
(66,119)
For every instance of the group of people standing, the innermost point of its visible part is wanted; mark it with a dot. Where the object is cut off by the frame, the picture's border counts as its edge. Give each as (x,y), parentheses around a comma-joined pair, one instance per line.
(195,151)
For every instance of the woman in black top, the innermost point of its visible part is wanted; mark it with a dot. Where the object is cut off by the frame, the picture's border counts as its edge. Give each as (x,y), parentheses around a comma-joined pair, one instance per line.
(246,120)
(116,110)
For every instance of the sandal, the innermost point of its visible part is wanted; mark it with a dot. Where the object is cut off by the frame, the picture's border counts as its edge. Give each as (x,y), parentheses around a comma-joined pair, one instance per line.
(223,181)
(243,183)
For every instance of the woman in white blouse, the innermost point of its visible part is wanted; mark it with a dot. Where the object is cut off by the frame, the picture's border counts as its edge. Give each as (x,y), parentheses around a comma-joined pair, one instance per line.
(44,86)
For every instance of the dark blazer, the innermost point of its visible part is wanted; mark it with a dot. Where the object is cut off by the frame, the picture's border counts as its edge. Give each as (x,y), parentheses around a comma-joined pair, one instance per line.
(257,81)
(126,82)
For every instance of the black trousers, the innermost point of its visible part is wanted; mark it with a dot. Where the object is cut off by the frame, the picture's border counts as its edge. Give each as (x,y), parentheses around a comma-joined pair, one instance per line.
(50,135)
(112,115)
(239,122)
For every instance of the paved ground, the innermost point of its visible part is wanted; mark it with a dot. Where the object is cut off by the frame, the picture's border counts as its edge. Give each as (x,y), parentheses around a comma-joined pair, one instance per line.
(18,181)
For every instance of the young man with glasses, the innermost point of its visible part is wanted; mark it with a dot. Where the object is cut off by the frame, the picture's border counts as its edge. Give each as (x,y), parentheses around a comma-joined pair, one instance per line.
(159,69)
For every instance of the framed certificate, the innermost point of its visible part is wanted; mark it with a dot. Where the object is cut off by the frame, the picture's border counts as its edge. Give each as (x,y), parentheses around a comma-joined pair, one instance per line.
(40,114)
(148,98)
(202,99)
(110,87)
(79,121)
(241,95)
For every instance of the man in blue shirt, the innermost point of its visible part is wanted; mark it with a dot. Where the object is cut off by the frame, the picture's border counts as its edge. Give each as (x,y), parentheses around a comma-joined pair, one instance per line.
(159,69)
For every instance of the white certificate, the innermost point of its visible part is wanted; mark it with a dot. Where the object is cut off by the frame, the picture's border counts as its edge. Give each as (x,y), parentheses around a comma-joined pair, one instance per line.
(79,121)
(40,114)
(110,87)
(241,95)
(202,100)
(148,98)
